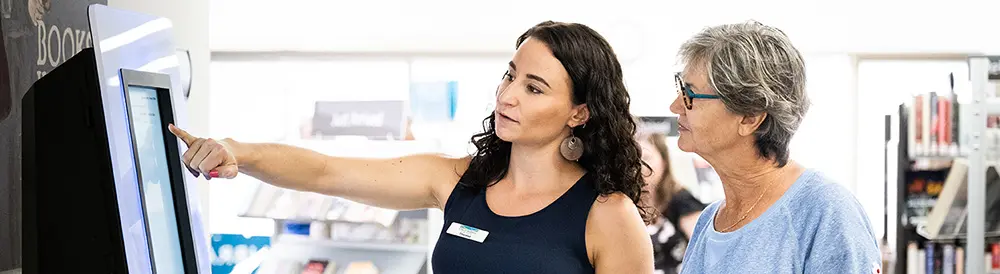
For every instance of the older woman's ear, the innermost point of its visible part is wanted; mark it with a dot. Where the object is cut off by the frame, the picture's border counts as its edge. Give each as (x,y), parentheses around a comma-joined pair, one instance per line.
(751,123)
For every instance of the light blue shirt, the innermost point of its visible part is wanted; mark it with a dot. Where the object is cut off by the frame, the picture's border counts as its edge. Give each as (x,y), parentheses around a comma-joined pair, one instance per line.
(817,226)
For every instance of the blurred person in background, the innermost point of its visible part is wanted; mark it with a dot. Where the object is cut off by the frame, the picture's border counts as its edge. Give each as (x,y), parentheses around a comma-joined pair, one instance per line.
(554,186)
(741,97)
(677,209)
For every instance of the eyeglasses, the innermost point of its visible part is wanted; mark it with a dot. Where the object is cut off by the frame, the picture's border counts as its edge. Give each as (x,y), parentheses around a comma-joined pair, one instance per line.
(684,90)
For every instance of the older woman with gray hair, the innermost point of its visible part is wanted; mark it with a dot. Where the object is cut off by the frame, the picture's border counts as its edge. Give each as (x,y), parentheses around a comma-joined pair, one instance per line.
(741,98)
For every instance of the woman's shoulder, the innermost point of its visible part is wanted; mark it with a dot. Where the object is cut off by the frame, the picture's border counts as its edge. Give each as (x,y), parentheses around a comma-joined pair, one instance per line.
(614,211)
(616,206)
(820,201)
(817,189)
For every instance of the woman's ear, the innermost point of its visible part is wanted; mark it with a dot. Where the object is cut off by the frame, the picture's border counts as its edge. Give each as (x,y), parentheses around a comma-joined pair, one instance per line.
(750,123)
(580,115)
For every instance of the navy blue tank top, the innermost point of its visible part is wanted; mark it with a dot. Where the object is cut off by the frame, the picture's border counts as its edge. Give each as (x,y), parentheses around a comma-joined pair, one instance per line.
(552,240)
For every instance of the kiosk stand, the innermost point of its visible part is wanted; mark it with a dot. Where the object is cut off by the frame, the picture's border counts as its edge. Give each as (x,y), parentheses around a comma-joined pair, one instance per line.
(105,190)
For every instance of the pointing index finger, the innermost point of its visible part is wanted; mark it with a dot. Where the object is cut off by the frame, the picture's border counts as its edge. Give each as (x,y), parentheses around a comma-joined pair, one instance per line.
(183,135)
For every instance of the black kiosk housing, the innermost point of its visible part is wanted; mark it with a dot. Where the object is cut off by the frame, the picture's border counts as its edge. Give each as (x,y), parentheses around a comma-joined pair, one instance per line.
(71,212)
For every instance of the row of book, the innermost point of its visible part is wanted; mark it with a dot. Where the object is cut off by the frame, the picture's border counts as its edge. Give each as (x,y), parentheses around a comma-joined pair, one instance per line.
(936,258)
(933,128)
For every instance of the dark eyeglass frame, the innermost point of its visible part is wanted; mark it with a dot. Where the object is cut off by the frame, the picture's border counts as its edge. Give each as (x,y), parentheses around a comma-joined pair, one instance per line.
(687,95)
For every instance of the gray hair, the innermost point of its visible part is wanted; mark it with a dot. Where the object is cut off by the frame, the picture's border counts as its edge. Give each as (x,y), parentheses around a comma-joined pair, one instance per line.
(755,69)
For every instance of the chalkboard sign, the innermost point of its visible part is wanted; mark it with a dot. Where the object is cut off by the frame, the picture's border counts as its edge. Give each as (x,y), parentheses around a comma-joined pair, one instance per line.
(6,99)
(38,35)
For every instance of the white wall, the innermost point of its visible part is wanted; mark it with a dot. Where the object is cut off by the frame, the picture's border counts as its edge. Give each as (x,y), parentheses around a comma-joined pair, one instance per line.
(827,132)
(452,25)
(646,35)
(190,19)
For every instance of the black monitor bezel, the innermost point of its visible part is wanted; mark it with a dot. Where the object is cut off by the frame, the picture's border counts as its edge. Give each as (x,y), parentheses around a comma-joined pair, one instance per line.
(161,83)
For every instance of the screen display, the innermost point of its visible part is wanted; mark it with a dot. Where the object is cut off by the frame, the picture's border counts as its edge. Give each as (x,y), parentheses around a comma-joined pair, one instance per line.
(154,177)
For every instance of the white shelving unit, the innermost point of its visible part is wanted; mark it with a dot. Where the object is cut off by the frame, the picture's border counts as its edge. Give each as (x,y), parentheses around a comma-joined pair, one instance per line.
(984,103)
(975,156)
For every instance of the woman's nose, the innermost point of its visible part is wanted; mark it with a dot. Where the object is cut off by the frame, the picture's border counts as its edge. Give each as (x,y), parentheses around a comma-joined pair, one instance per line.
(505,96)
(677,107)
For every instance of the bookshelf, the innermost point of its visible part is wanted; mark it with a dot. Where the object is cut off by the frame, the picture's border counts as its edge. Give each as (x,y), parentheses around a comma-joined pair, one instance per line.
(948,190)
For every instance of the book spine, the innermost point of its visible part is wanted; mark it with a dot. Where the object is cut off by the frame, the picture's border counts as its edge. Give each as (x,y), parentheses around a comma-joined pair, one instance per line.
(929,252)
(956,121)
(921,261)
(925,124)
(918,121)
(912,258)
(912,134)
(988,262)
(944,124)
(995,262)
(938,261)
(934,119)
(948,259)
(959,260)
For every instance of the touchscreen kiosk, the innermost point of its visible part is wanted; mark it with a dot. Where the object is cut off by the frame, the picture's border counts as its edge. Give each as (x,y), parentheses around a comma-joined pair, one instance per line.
(160,175)
(72,216)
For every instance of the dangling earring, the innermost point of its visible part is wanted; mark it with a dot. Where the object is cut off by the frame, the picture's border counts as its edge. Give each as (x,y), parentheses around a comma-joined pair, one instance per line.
(571,147)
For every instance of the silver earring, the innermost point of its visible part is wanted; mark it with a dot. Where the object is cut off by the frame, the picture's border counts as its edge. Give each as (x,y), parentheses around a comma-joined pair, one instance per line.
(571,147)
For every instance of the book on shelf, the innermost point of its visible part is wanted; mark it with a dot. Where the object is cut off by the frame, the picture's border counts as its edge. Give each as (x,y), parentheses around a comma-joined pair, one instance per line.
(931,261)
(947,258)
(933,127)
(959,260)
(994,256)
(922,191)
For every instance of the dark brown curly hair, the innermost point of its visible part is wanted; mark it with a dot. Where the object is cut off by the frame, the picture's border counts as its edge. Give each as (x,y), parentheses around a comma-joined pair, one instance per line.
(611,153)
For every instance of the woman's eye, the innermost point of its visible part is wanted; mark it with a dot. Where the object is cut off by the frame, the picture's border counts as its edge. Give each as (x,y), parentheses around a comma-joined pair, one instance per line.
(534,89)
(507,76)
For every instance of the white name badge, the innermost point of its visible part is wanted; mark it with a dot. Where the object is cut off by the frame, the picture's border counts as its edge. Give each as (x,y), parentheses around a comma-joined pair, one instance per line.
(467,232)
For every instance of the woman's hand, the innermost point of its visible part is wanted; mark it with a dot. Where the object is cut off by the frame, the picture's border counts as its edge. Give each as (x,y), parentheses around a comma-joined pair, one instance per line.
(213,158)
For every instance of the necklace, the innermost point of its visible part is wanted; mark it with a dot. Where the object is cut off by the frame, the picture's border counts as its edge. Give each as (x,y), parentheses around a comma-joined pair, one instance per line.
(747,213)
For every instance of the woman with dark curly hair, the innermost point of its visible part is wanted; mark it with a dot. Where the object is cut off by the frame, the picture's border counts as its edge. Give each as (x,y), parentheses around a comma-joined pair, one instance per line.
(554,185)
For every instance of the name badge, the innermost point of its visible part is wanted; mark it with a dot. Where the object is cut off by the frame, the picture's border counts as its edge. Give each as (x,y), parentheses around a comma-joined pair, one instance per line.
(467,232)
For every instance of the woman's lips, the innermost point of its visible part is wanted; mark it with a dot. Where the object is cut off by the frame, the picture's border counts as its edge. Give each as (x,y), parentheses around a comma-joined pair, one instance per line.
(506,117)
